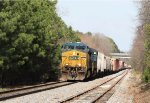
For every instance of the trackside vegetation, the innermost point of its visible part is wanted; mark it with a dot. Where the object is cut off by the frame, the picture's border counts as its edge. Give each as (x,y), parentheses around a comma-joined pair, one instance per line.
(141,46)
(146,73)
(99,42)
(31,33)
(144,17)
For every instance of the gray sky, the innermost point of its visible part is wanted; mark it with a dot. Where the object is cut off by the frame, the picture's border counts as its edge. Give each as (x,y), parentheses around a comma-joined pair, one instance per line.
(114,18)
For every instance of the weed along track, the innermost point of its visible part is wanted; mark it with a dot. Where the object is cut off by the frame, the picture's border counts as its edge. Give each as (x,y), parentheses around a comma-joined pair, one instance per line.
(95,94)
(32,89)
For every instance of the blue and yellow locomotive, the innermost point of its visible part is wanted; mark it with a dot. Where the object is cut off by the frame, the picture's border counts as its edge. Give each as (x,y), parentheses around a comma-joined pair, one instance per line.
(78,61)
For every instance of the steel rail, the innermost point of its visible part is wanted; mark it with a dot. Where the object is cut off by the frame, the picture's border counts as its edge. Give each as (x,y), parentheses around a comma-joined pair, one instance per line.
(82,93)
(110,88)
(30,90)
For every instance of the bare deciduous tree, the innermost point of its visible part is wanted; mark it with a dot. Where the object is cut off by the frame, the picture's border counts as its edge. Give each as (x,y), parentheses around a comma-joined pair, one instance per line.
(98,41)
(137,51)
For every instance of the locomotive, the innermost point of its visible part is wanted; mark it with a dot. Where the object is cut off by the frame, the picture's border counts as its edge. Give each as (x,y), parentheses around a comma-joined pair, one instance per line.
(79,62)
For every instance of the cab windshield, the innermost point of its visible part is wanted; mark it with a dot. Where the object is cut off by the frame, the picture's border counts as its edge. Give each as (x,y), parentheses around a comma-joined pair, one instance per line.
(68,47)
(80,47)
(74,46)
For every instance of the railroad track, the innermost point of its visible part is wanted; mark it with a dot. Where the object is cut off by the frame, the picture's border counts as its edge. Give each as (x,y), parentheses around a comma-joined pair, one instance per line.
(31,89)
(95,94)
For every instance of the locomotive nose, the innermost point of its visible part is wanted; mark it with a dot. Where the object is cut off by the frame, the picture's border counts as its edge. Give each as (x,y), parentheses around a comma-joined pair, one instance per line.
(74,65)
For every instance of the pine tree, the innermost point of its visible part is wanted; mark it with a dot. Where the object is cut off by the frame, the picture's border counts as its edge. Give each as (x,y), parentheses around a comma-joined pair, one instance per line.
(30,31)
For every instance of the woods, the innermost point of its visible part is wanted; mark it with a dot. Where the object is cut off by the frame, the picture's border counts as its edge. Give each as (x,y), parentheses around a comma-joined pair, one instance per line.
(99,42)
(30,35)
(141,46)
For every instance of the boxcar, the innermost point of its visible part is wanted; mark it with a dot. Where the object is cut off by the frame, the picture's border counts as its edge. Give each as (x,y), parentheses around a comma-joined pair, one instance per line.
(121,63)
(115,64)
(101,62)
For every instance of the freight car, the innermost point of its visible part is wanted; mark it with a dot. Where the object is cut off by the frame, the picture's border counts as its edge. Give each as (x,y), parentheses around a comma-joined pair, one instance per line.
(115,64)
(79,62)
(103,63)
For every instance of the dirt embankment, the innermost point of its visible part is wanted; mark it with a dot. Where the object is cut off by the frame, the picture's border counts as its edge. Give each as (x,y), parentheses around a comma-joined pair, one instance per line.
(140,90)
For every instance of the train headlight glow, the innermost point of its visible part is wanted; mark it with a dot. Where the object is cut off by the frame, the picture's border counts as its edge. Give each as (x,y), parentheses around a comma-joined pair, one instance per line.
(79,64)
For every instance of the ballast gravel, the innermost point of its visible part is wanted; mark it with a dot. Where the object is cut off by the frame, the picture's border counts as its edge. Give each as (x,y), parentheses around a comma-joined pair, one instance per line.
(59,94)
(122,93)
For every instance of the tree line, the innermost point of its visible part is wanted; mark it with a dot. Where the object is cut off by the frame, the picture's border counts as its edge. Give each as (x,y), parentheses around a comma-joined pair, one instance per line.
(99,42)
(31,33)
(141,45)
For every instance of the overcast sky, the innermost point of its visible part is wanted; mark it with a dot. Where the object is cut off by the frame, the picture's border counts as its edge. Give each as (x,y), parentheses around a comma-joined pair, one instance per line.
(114,18)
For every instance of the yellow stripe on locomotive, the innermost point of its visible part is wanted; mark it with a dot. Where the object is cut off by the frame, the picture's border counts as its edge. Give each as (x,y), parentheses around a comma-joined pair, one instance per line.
(74,62)
(74,58)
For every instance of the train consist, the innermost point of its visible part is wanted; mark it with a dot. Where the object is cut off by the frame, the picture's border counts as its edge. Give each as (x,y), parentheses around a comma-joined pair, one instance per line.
(80,62)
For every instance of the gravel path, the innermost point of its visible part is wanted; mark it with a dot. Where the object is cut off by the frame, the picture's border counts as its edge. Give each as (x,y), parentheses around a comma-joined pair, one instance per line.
(58,94)
(122,94)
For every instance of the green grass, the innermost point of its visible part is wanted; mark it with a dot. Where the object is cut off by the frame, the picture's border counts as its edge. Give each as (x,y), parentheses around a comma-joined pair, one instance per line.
(146,75)
(3,89)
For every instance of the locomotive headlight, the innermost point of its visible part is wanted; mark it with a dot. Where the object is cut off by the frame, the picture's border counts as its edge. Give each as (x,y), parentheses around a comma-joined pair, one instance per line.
(79,64)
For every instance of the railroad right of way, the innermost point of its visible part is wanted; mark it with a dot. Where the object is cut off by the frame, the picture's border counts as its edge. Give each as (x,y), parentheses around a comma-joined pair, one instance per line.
(62,93)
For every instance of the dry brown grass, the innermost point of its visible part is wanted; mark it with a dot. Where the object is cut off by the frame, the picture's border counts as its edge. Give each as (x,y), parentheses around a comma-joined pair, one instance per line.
(139,89)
